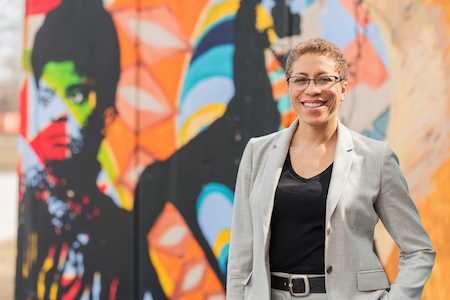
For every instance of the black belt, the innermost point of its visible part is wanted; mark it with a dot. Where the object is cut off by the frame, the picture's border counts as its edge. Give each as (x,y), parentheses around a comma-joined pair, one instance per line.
(299,285)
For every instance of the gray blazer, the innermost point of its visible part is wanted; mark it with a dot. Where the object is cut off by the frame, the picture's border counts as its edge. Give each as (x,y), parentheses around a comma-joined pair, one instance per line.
(366,185)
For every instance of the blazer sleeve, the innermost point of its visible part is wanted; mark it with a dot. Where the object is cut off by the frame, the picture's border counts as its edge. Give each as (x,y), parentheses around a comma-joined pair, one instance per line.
(401,218)
(240,258)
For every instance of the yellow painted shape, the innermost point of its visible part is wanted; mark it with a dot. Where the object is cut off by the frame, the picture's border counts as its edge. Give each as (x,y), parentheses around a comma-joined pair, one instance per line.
(166,282)
(265,21)
(92,100)
(222,239)
(30,255)
(48,264)
(53,291)
(125,198)
(199,120)
(216,13)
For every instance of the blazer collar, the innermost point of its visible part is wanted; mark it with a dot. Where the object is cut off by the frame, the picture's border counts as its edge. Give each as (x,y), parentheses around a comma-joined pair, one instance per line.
(341,168)
(343,159)
(344,139)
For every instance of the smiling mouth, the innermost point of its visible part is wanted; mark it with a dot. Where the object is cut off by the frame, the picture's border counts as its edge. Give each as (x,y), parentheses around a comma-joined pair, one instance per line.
(313,104)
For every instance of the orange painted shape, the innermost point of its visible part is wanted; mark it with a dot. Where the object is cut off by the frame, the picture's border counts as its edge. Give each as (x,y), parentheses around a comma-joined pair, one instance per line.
(140,101)
(193,251)
(364,63)
(114,5)
(172,240)
(128,52)
(168,73)
(214,285)
(121,140)
(188,13)
(160,139)
(172,263)
(279,88)
(170,232)
(147,26)
(192,277)
(287,118)
(273,65)
(138,160)
(359,12)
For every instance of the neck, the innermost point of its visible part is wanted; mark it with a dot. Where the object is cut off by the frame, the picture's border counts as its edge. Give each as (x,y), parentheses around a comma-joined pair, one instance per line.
(309,135)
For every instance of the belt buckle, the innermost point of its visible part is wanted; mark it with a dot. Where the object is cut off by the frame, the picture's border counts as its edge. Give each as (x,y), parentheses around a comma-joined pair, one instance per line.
(291,285)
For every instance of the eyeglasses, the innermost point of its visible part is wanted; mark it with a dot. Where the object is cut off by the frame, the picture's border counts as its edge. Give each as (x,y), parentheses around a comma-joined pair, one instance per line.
(322,82)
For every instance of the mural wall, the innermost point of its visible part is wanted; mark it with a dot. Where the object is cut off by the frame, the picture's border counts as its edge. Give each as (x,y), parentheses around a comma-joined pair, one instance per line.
(135,114)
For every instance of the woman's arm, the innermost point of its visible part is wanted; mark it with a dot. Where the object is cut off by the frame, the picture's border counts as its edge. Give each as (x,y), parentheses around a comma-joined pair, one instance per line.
(240,256)
(399,215)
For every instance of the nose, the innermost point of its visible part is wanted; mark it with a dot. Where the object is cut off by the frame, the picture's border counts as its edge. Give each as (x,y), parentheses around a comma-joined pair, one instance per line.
(312,88)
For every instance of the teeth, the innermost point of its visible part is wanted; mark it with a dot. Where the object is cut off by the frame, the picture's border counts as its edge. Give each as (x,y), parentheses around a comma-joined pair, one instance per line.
(314,104)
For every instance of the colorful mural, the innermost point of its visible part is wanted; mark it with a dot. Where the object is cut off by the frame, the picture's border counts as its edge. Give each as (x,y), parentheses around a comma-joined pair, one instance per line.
(135,115)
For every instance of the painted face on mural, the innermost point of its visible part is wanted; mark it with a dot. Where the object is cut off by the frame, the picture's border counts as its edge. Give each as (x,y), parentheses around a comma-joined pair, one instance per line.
(65,100)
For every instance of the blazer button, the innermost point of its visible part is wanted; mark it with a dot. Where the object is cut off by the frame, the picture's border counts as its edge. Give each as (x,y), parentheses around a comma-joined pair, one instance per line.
(329,269)
(328,231)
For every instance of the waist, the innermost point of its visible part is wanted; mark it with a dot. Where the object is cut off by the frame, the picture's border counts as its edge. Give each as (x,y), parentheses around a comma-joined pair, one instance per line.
(297,284)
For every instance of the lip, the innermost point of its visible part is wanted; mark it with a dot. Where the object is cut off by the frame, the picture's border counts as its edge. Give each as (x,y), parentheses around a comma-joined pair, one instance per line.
(313,108)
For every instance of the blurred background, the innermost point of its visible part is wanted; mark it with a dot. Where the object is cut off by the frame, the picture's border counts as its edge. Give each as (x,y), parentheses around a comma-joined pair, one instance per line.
(11,40)
(173,90)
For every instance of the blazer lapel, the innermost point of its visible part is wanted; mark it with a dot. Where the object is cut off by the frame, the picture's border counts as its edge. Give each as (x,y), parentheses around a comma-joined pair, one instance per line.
(343,159)
(272,172)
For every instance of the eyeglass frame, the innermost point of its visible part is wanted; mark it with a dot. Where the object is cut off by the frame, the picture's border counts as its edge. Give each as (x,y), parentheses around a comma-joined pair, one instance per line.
(314,79)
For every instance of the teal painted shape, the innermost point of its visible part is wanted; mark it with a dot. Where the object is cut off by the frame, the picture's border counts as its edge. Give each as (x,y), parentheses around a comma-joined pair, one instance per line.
(380,126)
(284,104)
(218,61)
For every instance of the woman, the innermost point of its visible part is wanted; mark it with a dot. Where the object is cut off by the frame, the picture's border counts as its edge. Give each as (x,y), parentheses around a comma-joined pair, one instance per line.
(307,200)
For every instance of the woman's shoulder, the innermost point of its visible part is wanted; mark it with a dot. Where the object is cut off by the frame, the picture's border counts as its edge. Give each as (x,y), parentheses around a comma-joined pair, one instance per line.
(367,144)
(268,140)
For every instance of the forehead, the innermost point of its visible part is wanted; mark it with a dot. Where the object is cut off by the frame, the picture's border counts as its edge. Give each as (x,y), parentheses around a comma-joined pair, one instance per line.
(60,75)
(313,64)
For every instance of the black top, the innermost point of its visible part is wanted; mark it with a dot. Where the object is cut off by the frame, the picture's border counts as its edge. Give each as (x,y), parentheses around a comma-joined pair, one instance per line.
(298,222)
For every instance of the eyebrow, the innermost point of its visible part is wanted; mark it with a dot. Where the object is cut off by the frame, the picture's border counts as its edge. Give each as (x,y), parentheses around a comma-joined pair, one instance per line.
(304,74)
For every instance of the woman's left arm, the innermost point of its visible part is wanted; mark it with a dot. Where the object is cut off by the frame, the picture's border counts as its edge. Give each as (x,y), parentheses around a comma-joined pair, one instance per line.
(399,215)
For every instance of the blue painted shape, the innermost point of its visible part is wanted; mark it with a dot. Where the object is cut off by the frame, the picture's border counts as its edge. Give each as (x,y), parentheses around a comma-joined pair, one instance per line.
(380,126)
(338,25)
(277,75)
(147,296)
(298,6)
(211,26)
(284,103)
(377,42)
(214,210)
(223,259)
(214,89)
(220,34)
(218,61)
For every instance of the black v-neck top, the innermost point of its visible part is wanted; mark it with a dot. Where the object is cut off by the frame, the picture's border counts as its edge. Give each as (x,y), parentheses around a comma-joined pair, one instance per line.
(297,241)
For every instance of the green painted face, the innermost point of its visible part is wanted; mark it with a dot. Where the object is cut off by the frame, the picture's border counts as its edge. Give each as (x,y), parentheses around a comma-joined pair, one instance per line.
(75,90)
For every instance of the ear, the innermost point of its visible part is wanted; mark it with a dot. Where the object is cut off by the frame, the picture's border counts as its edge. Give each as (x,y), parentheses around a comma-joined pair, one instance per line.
(343,89)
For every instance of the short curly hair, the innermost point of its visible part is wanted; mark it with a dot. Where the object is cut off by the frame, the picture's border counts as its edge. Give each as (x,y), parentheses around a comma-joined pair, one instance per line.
(324,47)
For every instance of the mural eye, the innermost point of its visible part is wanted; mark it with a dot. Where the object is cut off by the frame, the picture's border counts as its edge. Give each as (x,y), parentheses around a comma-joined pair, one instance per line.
(46,95)
(77,93)
(77,98)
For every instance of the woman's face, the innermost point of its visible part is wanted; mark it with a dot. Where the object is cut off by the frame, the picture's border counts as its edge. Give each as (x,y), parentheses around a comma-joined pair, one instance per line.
(314,106)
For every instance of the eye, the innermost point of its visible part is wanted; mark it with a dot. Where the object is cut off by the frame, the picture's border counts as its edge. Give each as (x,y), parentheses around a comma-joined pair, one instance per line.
(301,80)
(324,80)
(46,95)
(77,93)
